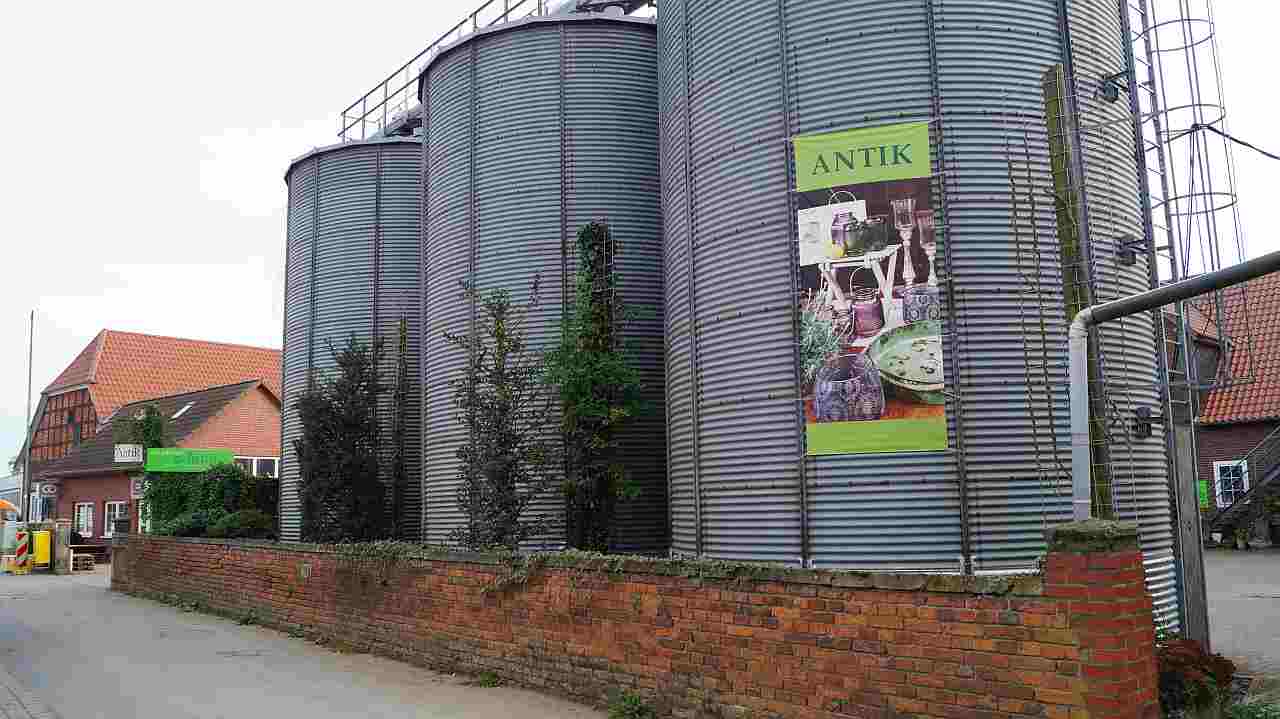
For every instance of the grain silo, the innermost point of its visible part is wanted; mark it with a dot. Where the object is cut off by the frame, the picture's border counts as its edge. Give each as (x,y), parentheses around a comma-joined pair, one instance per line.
(532,129)
(352,267)
(948,449)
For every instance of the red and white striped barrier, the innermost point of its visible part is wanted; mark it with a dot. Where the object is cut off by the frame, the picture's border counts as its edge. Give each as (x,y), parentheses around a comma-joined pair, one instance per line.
(22,555)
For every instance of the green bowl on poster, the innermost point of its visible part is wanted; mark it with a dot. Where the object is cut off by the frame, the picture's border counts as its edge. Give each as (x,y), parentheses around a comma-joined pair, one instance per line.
(902,353)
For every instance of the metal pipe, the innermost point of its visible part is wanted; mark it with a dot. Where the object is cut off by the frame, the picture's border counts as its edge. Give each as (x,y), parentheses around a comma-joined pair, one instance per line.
(1078,352)
(25,496)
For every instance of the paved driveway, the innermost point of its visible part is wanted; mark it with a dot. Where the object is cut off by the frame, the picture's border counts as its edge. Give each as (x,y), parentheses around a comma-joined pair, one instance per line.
(90,653)
(1244,606)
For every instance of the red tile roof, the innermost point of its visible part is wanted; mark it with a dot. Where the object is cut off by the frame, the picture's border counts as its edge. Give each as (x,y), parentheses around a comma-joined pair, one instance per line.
(124,367)
(1252,314)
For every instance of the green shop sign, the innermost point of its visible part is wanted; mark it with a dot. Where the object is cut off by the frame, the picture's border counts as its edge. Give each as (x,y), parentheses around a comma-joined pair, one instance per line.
(858,157)
(186,460)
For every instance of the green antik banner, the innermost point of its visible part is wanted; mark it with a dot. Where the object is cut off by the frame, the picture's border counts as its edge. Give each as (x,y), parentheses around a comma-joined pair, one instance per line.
(872,358)
(858,157)
(186,460)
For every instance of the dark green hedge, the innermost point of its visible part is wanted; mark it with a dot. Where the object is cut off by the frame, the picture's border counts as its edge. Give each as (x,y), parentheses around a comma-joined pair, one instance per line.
(188,505)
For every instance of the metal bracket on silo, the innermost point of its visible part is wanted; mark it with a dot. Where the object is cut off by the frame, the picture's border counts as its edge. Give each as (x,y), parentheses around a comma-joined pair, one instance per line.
(690,220)
(1072,223)
(311,292)
(950,317)
(423,322)
(798,410)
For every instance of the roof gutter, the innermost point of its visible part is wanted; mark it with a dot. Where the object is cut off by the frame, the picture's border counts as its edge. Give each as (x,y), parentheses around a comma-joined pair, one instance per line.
(1078,352)
(110,469)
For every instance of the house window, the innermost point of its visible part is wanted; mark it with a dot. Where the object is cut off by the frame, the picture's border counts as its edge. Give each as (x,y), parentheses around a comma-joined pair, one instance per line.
(259,466)
(84,519)
(114,511)
(1231,481)
(265,467)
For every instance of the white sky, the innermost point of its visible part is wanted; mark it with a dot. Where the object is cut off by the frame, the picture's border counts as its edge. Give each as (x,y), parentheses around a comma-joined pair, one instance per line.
(145,143)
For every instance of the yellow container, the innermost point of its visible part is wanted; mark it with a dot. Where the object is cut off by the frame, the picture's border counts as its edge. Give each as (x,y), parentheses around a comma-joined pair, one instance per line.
(43,545)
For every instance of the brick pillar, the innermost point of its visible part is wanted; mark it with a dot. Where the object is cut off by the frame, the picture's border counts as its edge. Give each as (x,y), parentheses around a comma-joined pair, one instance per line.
(1095,567)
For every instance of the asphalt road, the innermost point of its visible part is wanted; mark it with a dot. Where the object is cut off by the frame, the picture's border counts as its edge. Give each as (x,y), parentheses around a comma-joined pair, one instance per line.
(89,652)
(1244,607)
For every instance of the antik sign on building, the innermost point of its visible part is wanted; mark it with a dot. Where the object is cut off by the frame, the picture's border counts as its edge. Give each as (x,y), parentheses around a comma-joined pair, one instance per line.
(186,460)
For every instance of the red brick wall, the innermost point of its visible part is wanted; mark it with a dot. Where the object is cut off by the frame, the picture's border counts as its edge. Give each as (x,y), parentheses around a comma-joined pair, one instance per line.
(98,489)
(1225,443)
(249,426)
(1076,644)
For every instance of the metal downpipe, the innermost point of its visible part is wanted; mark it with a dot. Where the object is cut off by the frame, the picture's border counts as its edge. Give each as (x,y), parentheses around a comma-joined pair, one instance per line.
(1078,354)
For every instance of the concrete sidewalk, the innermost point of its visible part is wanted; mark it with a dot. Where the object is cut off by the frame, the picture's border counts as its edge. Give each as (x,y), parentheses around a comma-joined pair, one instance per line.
(90,653)
(17,702)
(1244,607)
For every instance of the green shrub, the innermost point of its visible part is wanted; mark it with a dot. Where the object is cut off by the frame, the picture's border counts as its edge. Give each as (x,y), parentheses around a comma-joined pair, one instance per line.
(190,524)
(1192,678)
(1254,710)
(629,705)
(221,490)
(244,524)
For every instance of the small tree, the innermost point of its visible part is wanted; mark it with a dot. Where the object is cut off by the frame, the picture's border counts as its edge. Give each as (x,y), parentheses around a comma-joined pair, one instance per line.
(343,496)
(599,392)
(500,398)
(148,427)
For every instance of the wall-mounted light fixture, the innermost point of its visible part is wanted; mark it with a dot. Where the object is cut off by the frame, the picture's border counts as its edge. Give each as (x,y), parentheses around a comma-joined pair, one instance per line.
(1143,421)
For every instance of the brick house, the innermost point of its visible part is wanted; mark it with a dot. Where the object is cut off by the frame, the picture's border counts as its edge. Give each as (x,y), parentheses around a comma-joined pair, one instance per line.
(1237,437)
(92,489)
(118,368)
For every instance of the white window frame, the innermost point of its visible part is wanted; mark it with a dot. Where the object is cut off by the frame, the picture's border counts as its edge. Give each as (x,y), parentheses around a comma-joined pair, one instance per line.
(108,523)
(75,518)
(1217,480)
(253,464)
(34,505)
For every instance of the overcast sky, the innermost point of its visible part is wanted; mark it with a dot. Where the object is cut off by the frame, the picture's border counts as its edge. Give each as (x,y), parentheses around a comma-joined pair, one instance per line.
(145,143)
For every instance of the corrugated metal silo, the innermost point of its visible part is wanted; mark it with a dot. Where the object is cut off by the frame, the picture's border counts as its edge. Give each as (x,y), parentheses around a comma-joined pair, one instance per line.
(353,267)
(533,129)
(738,81)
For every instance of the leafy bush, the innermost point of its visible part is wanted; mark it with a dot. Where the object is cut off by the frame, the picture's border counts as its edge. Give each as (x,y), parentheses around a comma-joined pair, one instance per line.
(189,524)
(628,705)
(1191,677)
(244,524)
(175,503)
(502,404)
(1254,710)
(344,497)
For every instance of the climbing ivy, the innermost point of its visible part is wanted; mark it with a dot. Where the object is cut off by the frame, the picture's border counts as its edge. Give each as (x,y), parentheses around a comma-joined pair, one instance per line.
(599,392)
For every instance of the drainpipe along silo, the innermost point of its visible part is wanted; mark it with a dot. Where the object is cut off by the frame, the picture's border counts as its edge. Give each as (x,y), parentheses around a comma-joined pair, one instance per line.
(1078,350)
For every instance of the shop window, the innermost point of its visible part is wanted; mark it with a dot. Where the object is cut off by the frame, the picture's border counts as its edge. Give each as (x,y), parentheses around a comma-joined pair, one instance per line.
(83,522)
(114,511)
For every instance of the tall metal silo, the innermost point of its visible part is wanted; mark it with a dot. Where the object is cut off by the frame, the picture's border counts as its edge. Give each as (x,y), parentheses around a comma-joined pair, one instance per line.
(353,267)
(739,82)
(533,129)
